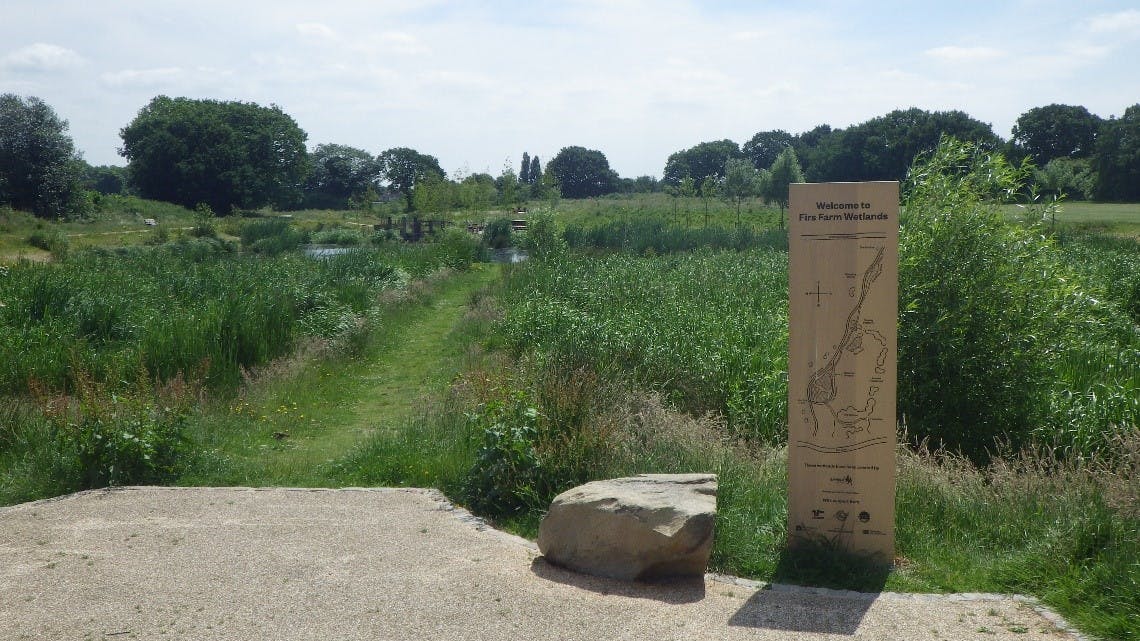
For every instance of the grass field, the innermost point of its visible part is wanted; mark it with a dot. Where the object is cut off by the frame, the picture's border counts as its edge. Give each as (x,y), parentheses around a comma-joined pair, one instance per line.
(1116,218)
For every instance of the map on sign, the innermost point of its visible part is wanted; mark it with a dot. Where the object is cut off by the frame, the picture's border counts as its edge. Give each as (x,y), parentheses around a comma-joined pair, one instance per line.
(842,364)
(843,421)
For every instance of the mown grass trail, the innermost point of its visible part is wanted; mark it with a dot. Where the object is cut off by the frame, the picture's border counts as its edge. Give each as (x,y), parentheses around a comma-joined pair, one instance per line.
(289,430)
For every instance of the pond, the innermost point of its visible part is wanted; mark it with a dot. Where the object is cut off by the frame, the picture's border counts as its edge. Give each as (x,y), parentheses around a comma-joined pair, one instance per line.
(508,255)
(323,251)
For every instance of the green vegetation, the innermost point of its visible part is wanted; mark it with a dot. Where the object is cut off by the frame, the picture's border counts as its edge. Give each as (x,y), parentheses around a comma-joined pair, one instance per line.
(306,420)
(1117,219)
(109,354)
(39,167)
(1000,342)
(581,172)
(624,363)
(225,154)
(646,334)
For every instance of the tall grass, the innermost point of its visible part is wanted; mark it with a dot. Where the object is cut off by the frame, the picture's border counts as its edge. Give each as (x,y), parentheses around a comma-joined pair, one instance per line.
(709,330)
(95,348)
(182,309)
(642,235)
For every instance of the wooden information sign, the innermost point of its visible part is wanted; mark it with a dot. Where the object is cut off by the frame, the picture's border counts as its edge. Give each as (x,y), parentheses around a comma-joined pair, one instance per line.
(842,354)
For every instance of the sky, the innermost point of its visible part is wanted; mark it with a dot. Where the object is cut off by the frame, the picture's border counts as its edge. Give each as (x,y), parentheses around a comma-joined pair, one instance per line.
(478,83)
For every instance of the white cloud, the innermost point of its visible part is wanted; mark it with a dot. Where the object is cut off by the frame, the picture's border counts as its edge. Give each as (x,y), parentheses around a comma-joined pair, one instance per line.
(141,77)
(1126,23)
(42,57)
(164,78)
(316,30)
(953,54)
(403,43)
(457,79)
(638,79)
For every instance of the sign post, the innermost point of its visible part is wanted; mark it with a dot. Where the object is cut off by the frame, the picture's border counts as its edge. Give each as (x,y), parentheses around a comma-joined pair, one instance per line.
(842,354)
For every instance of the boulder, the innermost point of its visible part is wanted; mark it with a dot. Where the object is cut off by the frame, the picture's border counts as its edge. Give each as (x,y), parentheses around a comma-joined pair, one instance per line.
(635,528)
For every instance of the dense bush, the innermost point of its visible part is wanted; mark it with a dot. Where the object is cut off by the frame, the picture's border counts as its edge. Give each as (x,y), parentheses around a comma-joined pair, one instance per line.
(457,249)
(537,436)
(998,335)
(543,238)
(121,441)
(507,475)
(497,233)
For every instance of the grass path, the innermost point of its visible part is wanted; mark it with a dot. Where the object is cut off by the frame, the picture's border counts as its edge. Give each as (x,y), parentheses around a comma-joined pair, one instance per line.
(290,430)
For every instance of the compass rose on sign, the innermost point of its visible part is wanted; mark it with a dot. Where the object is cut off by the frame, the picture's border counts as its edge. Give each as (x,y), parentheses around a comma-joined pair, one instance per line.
(818,293)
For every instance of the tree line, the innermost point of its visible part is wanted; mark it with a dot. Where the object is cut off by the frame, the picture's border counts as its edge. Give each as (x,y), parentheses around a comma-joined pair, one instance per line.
(237,156)
(1073,150)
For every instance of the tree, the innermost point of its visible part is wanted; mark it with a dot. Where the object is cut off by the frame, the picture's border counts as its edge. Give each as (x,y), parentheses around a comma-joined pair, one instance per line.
(763,148)
(1072,177)
(434,194)
(687,189)
(223,154)
(508,185)
(1117,157)
(547,188)
(39,169)
(535,171)
(339,174)
(700,161)
(524,169)
(402,167)
(882,148)
(105,179)
(813,145)
(1056,131)
(741,182)
(476,192)
(785,171)
(582,173)
(645,185)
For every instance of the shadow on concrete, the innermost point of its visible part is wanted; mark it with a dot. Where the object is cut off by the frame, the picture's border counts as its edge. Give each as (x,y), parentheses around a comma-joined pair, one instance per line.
(793,609)
(674,591)
(842,589)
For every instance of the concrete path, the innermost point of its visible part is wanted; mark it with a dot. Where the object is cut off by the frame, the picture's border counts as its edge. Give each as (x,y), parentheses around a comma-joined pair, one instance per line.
(281,564)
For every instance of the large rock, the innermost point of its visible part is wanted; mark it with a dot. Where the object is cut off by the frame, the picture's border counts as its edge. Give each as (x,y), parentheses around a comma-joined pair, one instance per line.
(641,527)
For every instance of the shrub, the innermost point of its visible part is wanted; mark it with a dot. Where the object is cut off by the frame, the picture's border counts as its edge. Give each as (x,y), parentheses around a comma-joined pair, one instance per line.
(458,249)
(51,241)
(342,237)
(990,313)
(535,441)
(506,478)
(543,238)
(497,233)
(118,439)
(203,222)
(270,236)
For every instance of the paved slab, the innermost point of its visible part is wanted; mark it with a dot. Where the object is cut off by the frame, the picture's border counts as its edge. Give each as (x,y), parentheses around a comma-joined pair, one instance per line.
(234,563)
